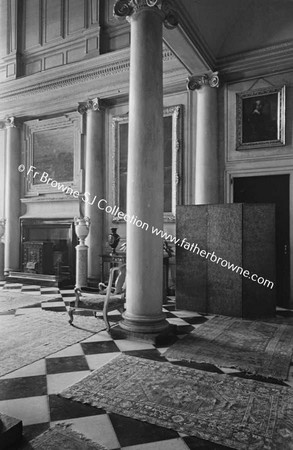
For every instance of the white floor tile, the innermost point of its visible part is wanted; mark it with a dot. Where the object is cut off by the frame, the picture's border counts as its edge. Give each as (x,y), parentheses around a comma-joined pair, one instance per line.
(34,369)
(169,444)
(59,381)
(186,314)
(31,410)
(126,345)
(95,361)
(175,321)
(72,350)
(102,336)
(47,305)
(97,428)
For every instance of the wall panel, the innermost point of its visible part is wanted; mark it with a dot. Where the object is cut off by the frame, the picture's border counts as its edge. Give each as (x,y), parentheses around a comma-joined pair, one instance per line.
(53,20)
(76,16)
(32,27)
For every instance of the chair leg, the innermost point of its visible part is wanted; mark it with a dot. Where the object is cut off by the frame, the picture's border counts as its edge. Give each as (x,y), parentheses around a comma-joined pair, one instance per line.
(105,317)
(70,313)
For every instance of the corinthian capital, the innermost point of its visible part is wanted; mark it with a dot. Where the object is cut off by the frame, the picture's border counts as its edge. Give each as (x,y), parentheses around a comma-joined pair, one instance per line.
(125,8)
(95,104)
(196,82)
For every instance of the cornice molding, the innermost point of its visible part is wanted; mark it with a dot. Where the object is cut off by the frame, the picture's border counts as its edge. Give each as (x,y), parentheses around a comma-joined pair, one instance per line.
(274,58)
(106,67)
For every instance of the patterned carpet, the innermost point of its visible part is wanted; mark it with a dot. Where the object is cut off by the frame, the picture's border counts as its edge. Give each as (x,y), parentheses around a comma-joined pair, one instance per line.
(243,414)
(10,300)
(256,347)
(62,437)
(31,334)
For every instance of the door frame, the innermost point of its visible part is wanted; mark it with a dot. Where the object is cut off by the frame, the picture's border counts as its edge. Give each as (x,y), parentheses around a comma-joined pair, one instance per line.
(232,173)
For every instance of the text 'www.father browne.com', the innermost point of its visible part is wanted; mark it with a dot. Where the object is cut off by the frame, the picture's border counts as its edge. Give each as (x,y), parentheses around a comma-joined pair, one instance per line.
(211,256)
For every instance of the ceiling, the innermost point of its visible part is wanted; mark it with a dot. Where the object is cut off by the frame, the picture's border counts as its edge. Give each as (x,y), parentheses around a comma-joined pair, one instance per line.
(220,31)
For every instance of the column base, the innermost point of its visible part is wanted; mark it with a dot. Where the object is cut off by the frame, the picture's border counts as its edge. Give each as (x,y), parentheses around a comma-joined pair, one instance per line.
(143,323)
(165,337)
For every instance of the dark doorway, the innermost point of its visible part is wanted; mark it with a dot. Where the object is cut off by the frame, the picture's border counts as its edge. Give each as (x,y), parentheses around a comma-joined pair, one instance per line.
(272,189)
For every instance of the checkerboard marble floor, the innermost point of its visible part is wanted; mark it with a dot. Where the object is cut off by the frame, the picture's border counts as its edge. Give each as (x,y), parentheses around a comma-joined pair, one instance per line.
(30,393)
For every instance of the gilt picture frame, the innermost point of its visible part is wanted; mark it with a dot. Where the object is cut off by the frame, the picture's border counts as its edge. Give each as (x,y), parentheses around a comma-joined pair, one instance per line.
(260,118)
(52,147)
(173,123)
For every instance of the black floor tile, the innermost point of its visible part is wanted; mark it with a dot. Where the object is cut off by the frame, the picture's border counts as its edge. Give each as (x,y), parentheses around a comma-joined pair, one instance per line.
(53,292)
(170,315)
(249,376)
(133,432)
(32,431)
(56,308)
(62,409)
(11,388)
(66,364)
(195,320)
(169,307)
(30,289)
(53,300)
(199,366)
(92,348)
(35,305)
(184,329)
(152,354)
(195,443)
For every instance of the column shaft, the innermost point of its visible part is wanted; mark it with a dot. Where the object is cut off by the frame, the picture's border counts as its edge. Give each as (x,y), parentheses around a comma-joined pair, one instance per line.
(145,176)
(94,186)
(206,175)
(12,199)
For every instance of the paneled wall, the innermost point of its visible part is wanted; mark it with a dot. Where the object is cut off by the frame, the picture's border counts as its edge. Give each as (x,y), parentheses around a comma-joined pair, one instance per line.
(38,35)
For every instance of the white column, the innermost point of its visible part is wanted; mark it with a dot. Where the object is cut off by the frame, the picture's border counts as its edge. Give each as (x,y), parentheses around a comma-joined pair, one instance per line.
(144,279)
(94,183)
(12,197)
(206,163)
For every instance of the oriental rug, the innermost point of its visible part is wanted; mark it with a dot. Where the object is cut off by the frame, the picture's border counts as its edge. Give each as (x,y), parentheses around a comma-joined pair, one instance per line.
(238,413)
(14,300)
(256,347)
(62,437)
(32,334)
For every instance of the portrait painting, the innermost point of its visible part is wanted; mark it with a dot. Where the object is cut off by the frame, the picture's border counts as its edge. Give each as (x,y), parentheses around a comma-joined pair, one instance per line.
(261,118)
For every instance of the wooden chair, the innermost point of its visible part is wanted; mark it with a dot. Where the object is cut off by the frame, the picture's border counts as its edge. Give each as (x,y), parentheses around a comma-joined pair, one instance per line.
(105,301)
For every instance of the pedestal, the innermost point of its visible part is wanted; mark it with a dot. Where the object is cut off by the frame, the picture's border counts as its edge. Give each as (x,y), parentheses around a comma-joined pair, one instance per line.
(2,277)
(81,265)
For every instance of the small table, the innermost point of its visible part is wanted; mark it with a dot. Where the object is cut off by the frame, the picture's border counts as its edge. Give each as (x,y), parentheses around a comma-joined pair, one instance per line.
(112,261)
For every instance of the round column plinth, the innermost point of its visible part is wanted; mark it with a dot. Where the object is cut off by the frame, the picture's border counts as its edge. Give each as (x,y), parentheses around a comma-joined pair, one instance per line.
(144,324)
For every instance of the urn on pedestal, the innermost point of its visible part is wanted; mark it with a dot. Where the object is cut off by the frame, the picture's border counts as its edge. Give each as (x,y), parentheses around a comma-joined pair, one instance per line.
(82,228)
(113,240)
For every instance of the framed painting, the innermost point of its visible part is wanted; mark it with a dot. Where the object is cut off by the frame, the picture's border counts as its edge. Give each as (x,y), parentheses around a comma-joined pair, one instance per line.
(172,160)
(260,118)
(53,146)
